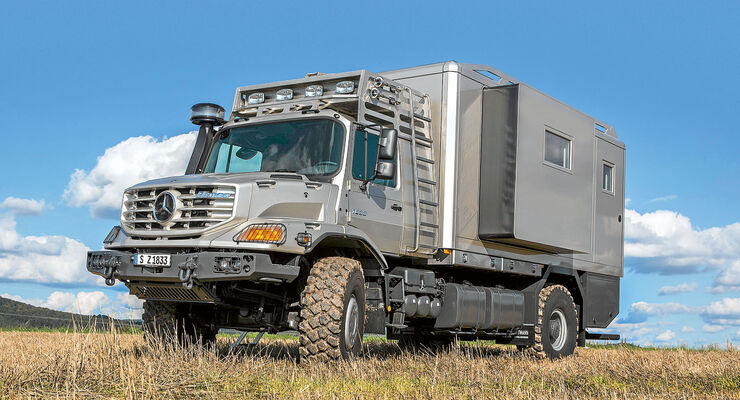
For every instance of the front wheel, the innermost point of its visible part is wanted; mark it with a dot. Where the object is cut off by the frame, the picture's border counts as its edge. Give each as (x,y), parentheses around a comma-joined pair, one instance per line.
(166,322)
(333,310)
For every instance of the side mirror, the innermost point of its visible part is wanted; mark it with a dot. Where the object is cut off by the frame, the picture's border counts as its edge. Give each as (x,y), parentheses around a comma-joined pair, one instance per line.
(385,170)
(387,144)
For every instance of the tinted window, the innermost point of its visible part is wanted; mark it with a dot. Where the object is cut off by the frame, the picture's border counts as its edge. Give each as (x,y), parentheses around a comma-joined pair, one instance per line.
(308,147)
(359,162)
(557,150)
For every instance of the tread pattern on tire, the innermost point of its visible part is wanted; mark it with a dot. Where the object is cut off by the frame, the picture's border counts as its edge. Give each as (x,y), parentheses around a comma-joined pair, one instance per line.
(158,320)
(322,306)
(161,321)
(538,349)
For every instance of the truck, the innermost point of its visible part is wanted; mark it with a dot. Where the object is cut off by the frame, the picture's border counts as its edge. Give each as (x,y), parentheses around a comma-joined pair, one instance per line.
(434,204)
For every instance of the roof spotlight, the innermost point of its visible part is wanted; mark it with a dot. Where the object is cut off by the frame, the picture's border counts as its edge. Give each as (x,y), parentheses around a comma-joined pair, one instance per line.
(207,113)
(284,94)
(345,87)
(314,90)
(256,98)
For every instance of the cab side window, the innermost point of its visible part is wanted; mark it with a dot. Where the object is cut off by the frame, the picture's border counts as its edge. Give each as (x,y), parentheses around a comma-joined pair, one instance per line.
(359,162)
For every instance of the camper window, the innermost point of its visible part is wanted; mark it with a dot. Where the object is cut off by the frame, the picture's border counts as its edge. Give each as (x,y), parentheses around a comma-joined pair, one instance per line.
(607,180)
(557,149)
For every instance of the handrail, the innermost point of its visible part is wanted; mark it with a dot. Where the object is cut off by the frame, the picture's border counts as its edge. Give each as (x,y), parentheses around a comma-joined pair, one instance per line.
(417,206)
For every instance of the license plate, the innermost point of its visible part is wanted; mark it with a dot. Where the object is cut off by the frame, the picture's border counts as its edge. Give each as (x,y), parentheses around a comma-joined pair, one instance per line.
(154,260)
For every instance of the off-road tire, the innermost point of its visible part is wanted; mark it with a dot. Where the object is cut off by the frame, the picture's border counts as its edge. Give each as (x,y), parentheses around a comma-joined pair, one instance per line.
(331,285)
(163,322)
(552,298)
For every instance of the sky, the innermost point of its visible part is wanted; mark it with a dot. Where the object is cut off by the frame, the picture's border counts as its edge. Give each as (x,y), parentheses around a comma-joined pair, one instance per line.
(95,96)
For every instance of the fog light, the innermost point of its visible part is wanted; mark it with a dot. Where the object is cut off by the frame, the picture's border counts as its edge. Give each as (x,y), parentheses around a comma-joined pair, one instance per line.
(303,239)
(256,98)
(284,94)
(262,233)
(314,90)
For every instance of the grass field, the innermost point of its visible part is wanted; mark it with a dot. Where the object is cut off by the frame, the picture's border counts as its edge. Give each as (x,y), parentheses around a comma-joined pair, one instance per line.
(115,365)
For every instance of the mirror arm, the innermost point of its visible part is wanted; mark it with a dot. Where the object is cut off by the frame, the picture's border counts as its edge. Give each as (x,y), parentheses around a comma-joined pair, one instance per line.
(364,127)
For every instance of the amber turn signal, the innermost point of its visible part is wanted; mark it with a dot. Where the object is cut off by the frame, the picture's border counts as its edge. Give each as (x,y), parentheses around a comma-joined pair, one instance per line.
(262,233)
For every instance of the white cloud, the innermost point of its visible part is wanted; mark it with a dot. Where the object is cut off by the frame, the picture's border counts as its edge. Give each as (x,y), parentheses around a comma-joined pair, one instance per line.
(728,280)
(134,160)
(687,329)
(723,312)
(125,306)
(87,303)
(680,288)
(666,242)
(661,308)
(641,310)
(640,333)
(663,198)
(47,259)
(132,306)
(712,328)
(20,206)
(666,336)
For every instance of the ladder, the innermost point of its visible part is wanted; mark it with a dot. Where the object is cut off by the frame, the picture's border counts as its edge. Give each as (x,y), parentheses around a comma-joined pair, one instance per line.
(425,183)
(389,103)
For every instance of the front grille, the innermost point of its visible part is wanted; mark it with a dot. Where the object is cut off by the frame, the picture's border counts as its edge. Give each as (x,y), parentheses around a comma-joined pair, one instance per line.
(163,291)
(196,209)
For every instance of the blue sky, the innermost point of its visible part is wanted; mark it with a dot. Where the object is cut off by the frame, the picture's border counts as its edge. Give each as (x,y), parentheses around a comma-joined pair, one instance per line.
(77,79)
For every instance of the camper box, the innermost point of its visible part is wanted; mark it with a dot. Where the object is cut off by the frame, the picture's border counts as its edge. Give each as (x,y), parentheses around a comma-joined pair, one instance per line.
(522,176)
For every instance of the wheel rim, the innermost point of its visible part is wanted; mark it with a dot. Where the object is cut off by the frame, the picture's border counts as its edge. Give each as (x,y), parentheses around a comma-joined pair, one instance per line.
(351,323)
(558,329)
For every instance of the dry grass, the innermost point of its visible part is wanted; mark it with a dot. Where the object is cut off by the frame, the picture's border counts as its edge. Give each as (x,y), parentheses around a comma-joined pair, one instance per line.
(111,365)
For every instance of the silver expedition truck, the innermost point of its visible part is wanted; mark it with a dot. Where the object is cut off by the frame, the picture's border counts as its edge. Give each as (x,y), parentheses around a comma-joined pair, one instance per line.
(430,204)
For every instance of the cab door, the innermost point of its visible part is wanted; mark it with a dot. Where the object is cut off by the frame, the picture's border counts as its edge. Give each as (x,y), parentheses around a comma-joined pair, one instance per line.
(378,209)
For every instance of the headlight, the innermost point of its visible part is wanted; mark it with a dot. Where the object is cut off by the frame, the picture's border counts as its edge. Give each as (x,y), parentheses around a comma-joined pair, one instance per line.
(262,233)
(284,94)
(314,90)
(256,98)
(345,87)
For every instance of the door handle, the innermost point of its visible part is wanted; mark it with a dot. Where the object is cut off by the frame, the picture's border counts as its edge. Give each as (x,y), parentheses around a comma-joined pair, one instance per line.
(396,207)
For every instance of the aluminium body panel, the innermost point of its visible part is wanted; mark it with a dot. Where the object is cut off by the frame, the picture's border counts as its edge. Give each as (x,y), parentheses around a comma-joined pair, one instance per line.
(535,203)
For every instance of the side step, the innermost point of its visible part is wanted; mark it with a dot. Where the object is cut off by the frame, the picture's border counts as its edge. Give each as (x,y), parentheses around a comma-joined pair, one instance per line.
(601,336)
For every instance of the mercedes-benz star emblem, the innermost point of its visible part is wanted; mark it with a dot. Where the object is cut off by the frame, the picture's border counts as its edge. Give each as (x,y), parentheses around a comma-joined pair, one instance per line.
(164,207)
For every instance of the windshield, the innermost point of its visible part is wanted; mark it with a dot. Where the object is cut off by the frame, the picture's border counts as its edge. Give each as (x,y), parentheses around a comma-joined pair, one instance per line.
(307,147)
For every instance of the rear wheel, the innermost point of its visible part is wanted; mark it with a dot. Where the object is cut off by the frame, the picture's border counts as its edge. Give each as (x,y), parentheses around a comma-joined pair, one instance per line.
(557,323)
(333,310)
(165,321)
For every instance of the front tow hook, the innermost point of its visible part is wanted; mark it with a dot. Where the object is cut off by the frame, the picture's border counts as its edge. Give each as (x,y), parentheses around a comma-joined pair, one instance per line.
(108,275)
(187,272)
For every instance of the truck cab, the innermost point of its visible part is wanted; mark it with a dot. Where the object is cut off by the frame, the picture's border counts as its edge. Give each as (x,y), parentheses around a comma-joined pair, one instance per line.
(341,204)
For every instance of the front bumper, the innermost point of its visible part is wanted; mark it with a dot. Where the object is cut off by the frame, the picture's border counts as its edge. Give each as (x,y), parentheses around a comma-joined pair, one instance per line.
(190,268)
